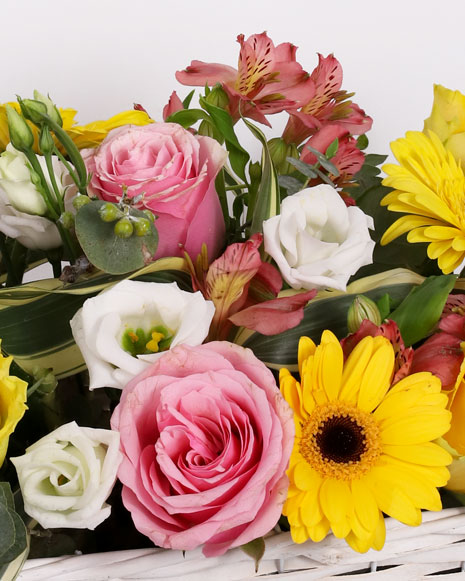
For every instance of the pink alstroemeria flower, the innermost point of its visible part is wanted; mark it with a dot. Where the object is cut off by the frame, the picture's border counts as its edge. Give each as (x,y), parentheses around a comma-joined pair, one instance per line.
(173,106)
(243,289)
(326,104)
(268,79)
(390,330)
(443,355)
(348,158)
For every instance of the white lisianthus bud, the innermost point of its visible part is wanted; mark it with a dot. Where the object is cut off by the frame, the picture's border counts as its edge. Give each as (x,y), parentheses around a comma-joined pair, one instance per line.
(126,328)
(34,232)
(17,183)
(68,474)
(317,241)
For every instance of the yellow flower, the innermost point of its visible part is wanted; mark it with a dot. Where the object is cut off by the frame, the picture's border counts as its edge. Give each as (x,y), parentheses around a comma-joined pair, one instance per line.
(363,446)
(447,120)
(429,187)
(89,135)
(12,403)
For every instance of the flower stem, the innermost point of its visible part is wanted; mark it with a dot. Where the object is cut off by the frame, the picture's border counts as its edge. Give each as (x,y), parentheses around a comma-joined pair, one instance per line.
(45,191)
(68,166)
(73,154)
(53,181)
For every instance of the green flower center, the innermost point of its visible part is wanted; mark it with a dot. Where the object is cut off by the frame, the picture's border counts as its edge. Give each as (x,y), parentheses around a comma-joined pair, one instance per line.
(141,342)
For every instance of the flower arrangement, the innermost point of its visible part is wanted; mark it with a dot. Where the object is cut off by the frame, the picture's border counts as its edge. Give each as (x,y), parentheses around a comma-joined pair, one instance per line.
(228,347)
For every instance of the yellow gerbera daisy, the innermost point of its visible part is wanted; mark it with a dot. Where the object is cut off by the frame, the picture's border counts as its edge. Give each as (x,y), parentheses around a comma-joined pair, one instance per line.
(429,187)
(89,135)
(363,447)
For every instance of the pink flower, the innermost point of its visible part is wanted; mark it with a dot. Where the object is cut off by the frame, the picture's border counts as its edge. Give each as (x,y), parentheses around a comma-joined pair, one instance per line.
(243,289)
(174,172)
(268,79)
(206,439)
(348,159)
(326,104)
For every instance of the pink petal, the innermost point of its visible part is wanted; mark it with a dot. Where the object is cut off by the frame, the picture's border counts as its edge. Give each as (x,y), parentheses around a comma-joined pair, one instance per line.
(274,316)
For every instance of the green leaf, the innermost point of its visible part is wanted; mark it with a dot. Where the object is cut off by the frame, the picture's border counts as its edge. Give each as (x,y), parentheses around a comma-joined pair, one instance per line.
(255,549)
(375,159)
(187,100)
(362,142)
(107,251)
(419,312)
(384,306)
(187,117)
(13,535)
(328,313)
(238,156)
(332,149)
(267,201)
(304,168)
(291,184)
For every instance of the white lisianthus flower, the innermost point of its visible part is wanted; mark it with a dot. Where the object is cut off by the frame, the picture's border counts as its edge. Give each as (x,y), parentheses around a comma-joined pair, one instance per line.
(34,232)
(126,328)
(68,474)
(15,180)
(317,241)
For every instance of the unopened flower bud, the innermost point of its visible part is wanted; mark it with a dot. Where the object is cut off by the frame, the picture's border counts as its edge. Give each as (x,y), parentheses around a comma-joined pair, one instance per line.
(124,228)
(280,151)
(21,136)
(52,111)
(46,143)
(255,171)
(218,97)
(33,110)
(362,308)
(206,129)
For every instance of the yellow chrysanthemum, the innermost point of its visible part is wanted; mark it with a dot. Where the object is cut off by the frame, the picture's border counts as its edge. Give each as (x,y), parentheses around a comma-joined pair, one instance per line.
(89,135)
(363,447)
(12,403)
(429,187)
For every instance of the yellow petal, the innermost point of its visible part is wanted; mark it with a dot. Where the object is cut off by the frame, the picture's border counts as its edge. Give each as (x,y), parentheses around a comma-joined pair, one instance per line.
(377,377)
(354,369)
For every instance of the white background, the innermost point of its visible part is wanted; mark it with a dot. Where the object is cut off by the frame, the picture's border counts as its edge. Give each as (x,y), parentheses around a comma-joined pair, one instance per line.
(101,56)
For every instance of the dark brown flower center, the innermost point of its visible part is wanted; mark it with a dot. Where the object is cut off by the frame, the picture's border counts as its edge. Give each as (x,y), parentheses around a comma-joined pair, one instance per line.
(341,439)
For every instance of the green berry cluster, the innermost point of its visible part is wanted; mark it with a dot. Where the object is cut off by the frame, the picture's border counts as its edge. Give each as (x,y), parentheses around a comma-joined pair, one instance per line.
(126,224)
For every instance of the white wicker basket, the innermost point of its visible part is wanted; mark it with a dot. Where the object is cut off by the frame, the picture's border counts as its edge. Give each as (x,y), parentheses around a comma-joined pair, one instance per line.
(409,554)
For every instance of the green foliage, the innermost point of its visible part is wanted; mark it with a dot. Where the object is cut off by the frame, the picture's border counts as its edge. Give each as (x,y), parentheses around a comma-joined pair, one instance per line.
(418,314)
(329,313)
(255,549)
(13,535)
(238,156)
(109,252)
(267,200)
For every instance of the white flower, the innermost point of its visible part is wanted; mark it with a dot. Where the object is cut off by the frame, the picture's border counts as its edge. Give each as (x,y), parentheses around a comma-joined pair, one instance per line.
(317,241)
(67,475)
(139,317)
(15,180)
(33,232)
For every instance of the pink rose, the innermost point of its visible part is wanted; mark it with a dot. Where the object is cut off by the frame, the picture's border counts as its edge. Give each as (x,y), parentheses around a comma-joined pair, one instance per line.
(174,171)
(206,438)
